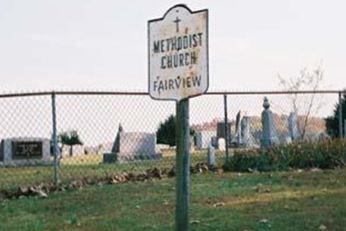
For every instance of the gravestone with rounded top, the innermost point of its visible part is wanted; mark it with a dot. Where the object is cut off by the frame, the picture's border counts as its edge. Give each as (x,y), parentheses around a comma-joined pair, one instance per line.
(293,128)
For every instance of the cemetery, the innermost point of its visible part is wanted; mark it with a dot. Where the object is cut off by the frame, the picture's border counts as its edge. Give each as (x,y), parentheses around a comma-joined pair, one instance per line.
(178,155)
(267,153)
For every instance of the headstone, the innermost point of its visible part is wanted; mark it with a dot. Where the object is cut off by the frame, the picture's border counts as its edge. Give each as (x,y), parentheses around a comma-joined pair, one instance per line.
(112,157)
(287,140)
(77,150)
(137,146)
(115,147)
(161,147)
(222,144)
(269,133)
(238,136)
(25,151)
(211,155)
(220,132)
(203,139)
(293,126)
(214,142)
(247,138)
(132,146)
(109,158)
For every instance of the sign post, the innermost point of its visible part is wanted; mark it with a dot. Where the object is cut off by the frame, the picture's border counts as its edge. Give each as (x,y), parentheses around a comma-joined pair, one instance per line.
(182,166)
(178,70)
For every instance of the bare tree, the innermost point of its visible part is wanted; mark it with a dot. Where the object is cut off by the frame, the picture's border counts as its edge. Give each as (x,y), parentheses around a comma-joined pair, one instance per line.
(306,80)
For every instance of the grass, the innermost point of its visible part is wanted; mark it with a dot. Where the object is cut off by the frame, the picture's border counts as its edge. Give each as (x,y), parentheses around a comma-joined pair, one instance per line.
(229,201)
(85,166)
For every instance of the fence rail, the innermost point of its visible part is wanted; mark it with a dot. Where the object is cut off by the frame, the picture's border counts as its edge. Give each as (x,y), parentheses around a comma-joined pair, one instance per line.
(138,93)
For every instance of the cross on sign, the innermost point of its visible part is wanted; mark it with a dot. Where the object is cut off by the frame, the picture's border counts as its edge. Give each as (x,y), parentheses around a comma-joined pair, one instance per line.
(176,21)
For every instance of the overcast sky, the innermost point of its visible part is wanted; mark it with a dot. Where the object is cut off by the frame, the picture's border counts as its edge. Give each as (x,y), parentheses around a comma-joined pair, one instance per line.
(85,44)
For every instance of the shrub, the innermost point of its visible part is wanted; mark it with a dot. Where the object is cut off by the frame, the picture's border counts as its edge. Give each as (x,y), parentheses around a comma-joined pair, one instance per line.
(330,154)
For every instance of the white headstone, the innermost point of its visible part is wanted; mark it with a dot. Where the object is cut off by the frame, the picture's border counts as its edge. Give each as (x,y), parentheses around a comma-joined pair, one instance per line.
(222,144)
(246,136)
(293,126)
(211,155)
(137,146)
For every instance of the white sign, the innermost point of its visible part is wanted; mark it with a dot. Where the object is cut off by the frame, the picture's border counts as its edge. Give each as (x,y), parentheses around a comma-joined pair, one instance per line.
(178,54)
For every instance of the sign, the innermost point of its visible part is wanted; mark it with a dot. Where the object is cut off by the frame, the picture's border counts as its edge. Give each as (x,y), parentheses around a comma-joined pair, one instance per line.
(24,149)
(178,54)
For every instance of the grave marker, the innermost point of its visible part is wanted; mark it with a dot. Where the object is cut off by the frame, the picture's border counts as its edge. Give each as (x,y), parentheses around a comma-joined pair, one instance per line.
(25,151)
(211,155)
(293,126)
(269,133)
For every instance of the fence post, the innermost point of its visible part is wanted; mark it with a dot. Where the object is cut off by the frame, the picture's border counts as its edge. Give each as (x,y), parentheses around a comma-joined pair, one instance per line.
(182,166)
(345,128)
(340,115)
(226,126)
(55,141)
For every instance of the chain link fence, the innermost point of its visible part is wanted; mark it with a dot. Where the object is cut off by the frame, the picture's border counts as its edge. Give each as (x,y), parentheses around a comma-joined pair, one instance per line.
(61,137)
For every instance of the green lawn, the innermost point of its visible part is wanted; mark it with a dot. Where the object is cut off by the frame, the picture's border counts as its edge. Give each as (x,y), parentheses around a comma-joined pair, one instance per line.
(230,201)
(86,166)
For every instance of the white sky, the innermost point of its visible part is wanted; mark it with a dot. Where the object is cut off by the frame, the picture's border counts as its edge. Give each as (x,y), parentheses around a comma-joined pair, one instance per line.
(102,45)
(80,44)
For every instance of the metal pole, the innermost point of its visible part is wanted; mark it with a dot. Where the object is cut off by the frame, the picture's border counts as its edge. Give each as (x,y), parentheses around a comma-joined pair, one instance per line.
(226,126)
(340,115)
(182,166)
(55,141)
(345,128)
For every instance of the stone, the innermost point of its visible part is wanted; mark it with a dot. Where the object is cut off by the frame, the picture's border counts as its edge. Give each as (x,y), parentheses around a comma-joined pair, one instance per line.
(26,151)
(214,142)
(109,158)
(287,140)
(77,150)
(269,133)
(222,144)
(129,146)
(220,131)
(211,155)
(238,136)
(247,138)
(116,147)
(293,128)
(137,145)
(203,138)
